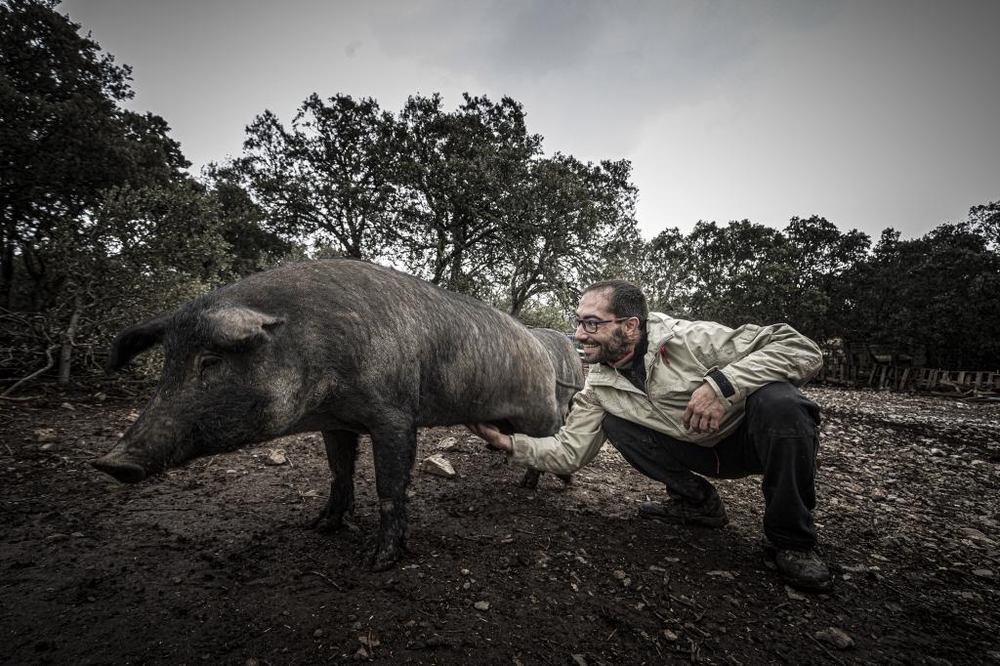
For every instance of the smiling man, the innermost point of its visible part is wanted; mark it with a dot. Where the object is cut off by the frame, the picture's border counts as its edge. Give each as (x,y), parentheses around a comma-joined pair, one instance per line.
(684,400)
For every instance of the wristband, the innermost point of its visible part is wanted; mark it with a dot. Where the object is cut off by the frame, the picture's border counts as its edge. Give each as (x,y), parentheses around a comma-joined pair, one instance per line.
(723,383)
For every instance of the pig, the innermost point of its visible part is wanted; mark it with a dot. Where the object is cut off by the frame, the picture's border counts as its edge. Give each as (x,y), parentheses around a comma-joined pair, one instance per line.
(569,380)
(343,347)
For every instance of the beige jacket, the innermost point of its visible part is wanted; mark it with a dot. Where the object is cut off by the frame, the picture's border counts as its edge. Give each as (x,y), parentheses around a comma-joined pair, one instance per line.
(680,357)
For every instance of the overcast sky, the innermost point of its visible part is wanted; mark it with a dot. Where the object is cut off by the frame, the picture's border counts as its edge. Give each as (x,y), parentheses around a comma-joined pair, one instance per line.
(870,113)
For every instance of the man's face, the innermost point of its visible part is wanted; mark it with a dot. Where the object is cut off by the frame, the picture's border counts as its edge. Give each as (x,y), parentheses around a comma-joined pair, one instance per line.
(611,341)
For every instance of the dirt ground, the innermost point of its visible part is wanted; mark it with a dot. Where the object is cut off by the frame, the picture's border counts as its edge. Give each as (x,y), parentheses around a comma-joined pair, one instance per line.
(210,564)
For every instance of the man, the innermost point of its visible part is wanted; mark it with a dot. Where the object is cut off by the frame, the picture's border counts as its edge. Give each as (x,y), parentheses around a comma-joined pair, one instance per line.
(684,400)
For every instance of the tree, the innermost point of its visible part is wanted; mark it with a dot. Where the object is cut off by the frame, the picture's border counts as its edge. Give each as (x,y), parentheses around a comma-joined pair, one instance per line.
(951,295)
(459,175)
(327,179)
(739,273)
(662,268)
(821,259)
(938,296)
(985,221)
(63,140)
(253,243)
(557,228)
(64,143)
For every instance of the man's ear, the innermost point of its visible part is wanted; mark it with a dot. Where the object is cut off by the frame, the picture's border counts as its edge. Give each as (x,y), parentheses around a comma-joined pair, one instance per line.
(633,328)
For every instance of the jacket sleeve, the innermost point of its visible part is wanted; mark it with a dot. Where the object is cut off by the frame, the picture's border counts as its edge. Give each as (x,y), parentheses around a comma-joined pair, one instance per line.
(749,357)
(575,445)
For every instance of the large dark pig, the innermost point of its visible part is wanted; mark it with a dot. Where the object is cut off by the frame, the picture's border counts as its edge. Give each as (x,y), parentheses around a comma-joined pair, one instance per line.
(569,380)
(343,347)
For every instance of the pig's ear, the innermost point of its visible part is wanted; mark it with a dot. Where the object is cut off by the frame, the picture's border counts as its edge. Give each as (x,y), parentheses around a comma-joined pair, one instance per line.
(135,340)
(237,327)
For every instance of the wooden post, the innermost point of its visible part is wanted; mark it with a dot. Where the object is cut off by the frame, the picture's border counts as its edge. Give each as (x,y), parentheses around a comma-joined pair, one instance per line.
(903,378)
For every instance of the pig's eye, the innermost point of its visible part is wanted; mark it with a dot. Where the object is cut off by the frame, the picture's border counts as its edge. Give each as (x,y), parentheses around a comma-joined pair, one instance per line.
(207,362)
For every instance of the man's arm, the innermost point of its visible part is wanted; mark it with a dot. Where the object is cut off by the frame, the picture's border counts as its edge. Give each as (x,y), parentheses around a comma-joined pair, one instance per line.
(494,438)
(575,445)
(760,355)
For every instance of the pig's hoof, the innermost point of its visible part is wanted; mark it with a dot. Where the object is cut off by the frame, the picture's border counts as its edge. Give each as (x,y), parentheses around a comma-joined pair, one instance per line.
(380,564)
(567,479)
(530,479)
(381,559)
(325,524)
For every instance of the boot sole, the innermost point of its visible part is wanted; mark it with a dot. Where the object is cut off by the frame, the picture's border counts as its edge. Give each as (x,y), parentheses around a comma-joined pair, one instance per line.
(701,521)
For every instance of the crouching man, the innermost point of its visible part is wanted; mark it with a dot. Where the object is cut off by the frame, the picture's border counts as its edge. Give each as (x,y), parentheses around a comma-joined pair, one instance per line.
(684,400)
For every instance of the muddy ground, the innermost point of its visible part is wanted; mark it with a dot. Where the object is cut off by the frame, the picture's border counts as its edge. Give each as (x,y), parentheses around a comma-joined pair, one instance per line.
(210,564)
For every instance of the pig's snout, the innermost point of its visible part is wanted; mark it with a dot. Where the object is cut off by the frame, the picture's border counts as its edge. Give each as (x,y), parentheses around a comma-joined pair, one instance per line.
(123,470)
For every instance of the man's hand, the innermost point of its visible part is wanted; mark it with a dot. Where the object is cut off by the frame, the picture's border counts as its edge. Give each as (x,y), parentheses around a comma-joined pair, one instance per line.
(704,411)
(494,438)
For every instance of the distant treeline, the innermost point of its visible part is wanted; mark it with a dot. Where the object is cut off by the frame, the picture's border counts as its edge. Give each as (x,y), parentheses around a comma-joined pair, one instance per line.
(102,225)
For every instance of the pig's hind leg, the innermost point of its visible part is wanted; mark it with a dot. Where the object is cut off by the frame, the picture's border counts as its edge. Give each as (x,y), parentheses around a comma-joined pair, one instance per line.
(394,450)
(341,454)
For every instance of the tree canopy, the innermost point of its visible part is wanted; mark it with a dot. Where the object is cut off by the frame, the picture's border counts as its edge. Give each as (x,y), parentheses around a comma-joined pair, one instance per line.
(101,224)
(95,202)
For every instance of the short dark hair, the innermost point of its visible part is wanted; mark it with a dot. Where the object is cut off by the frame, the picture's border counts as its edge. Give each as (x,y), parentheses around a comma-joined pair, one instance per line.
(627,300)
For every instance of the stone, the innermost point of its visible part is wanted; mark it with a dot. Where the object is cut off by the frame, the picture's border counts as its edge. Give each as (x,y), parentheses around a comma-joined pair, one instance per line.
(974,534)
(794,594)
(437,465)
(836,637)
(448,444)
(276,457)
(725,575)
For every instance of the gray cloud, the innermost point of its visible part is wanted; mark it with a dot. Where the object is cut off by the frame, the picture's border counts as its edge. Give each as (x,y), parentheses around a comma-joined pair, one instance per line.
(872,113)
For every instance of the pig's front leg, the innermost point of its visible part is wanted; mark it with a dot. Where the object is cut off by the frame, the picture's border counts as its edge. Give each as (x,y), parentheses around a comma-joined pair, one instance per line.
(531,476)
(394,452)
(341,453)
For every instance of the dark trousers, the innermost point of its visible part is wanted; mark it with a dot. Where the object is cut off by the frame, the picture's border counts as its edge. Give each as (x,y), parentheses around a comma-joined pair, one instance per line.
(777,438)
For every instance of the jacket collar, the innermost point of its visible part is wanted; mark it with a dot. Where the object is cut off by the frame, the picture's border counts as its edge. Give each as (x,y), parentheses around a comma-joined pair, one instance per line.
(659,329)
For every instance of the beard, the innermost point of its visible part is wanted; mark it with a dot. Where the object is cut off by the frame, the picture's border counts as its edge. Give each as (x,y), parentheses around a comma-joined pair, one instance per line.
(608,351)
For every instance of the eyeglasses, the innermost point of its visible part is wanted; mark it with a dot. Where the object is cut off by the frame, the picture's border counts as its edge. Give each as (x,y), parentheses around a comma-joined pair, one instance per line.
(590,325)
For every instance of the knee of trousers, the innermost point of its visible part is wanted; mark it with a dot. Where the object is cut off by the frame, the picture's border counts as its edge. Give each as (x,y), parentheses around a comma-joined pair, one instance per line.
(782,407)
(621,432)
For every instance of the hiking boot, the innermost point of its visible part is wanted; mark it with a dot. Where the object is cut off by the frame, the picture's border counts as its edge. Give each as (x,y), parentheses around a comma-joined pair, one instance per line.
(802,569)
(709,513)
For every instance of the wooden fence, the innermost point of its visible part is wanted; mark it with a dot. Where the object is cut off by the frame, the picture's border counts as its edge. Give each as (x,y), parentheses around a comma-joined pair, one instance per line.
(906,378)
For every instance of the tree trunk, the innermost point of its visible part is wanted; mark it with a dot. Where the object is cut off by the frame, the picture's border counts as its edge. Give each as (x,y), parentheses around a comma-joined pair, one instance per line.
(66,352)
(6,267)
